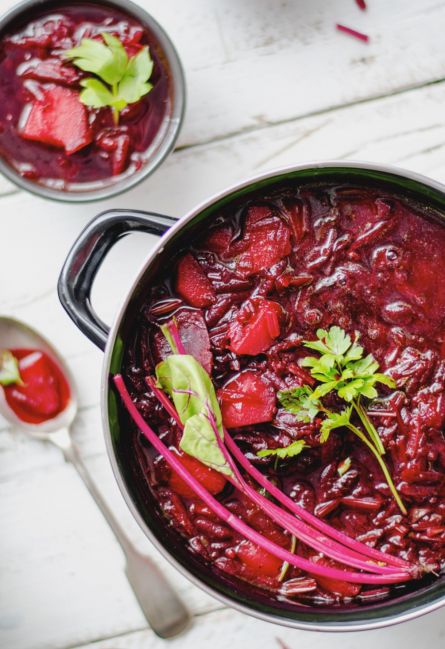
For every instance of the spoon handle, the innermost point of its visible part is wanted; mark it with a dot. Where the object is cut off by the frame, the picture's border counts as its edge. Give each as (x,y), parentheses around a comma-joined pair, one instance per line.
(163,609)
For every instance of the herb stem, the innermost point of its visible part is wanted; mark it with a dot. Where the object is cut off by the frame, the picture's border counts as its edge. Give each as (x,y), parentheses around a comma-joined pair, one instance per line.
(382,464)
(369,426)
(285,566)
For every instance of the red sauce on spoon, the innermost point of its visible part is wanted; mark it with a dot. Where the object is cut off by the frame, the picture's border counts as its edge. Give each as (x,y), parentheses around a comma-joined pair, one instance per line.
(43,392)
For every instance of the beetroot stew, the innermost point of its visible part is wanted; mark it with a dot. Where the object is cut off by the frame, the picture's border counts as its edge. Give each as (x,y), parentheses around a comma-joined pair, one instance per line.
(47,133)
(252,289)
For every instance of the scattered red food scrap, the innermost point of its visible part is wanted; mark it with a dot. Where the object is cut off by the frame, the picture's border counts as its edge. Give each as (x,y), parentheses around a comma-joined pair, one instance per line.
(361,4)
(352,32)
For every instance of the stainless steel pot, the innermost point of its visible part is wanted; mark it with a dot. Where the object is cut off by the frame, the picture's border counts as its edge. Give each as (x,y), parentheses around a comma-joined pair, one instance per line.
(164,139)
(74,287)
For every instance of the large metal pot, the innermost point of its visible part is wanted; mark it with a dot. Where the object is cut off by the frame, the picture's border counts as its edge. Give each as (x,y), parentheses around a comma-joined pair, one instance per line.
(74,287)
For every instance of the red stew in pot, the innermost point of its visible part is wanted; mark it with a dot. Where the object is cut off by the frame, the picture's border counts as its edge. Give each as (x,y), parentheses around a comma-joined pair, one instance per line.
(246,296)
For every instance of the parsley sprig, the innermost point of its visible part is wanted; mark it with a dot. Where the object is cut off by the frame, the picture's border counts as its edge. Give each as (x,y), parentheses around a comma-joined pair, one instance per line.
(341,369)
(284,452)
(119,80)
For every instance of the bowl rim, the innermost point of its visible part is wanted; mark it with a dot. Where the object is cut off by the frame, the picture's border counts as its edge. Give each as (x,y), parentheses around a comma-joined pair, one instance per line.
(386,618)
(172,125)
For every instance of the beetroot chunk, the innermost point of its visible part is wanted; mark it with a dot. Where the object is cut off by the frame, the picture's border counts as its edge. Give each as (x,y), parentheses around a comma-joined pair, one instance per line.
(266,240)
(255,327)
(194,336)
(212,480)
(192,284)
(247,399)
(257,561)
(54,70)
(58,119)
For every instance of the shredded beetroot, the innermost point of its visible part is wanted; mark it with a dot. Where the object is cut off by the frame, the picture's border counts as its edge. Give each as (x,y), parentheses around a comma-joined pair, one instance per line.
(361,4)
(352,32)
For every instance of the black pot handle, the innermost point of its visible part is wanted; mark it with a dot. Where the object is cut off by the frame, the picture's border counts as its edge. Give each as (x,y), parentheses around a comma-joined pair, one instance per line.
(87,254)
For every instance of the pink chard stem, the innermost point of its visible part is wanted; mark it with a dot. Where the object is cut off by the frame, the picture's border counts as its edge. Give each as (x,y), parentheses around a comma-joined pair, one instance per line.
(236,523)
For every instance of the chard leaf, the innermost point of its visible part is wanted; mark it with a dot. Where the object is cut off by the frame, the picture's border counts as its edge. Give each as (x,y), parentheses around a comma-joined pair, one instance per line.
(198,440)
(190,387)
(194,397)
(9,369)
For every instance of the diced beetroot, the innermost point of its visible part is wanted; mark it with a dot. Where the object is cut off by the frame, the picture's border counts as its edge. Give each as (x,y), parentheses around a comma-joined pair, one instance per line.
(218,240)
(212,480)
(257,213)
(255,327)
(265,242)
(194,336)
(52,70)
(192,283)
(58,119)
(118,143)
(247,399)
(337,586)
(258,561)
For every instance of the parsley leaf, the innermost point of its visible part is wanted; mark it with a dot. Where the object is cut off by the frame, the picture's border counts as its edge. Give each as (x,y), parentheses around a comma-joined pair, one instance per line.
(341,369)
(9,369)
(334,420)
(285,451)
(300,402)
(121,81)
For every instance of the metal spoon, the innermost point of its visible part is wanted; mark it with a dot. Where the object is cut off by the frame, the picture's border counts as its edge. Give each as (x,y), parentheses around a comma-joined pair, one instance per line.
(163,610)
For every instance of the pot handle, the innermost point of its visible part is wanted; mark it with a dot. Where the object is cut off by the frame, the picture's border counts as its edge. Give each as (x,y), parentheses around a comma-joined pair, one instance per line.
(86,256)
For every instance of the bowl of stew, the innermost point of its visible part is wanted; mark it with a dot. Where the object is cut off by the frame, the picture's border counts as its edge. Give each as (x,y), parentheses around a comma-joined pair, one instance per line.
(310,301)
(92,97)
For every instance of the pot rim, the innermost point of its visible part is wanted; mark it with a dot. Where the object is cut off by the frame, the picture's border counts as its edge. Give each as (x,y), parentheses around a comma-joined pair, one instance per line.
(164,139)
(158,248)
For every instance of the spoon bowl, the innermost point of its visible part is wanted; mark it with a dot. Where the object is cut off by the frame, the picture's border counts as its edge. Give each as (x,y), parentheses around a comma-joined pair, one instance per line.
(15,334)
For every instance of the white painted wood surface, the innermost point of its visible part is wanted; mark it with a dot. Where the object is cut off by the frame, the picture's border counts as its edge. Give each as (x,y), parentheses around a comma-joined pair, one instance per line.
(269,84)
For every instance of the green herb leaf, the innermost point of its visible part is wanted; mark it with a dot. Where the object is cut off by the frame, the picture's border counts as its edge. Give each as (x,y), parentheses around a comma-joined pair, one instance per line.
(332,421)
(344,466)
(300,402)
(95,93)
(9,369)
(194,397)
(341,368)
(134,82)
(92,55)
(126,79)
(286,451)
(198,439)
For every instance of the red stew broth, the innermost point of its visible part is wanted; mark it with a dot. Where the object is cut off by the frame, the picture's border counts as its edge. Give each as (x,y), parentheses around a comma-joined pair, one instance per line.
(363,259)
(113,149)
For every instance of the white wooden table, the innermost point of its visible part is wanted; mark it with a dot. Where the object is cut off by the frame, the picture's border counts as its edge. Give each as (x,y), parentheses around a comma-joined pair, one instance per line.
(269,83)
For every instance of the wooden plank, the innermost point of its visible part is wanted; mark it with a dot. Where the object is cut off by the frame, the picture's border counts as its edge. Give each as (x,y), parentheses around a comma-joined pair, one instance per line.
(255,63)
(62,571)
(222,629)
